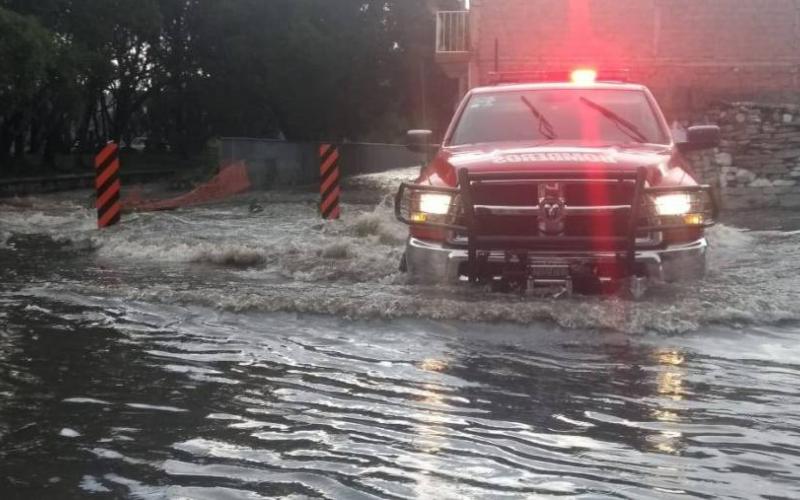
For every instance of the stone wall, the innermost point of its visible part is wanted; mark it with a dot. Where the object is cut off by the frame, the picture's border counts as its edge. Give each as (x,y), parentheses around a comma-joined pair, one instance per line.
(758,162)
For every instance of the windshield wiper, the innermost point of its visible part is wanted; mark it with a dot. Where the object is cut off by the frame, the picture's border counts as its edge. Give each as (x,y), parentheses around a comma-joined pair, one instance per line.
(621,123)
(545,127)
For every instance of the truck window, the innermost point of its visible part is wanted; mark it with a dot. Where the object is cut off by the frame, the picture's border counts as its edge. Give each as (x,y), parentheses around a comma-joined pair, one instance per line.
(588,116)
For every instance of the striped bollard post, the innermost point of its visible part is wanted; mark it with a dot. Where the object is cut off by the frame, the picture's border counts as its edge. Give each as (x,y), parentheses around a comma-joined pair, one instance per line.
(107,184)
(329,181)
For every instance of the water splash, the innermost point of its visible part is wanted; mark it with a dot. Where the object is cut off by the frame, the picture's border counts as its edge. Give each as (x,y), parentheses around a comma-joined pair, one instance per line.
(285,259)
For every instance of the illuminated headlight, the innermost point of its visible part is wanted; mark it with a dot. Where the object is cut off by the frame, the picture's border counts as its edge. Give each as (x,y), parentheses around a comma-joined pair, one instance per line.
(673,204)
(435,203)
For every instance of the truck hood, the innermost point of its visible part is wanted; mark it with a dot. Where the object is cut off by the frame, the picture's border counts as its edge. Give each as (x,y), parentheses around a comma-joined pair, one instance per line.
(660,161)
(498,158)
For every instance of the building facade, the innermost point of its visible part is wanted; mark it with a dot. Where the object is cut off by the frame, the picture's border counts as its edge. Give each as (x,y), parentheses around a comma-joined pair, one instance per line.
(691,53)
(735,63)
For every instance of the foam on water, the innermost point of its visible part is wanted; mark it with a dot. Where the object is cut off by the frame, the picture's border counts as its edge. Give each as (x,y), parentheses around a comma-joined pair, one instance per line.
(54,215)
(288,240)
(286,259)
(5,244)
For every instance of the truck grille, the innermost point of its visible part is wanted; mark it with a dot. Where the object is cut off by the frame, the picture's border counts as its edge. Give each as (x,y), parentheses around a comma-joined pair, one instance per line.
(596,201)
(516,194)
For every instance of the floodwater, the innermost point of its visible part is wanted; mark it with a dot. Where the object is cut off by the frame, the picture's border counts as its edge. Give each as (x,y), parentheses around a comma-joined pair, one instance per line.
(215,352)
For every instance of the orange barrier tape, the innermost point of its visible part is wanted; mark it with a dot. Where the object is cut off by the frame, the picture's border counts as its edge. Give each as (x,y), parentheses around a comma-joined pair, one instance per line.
(231,180)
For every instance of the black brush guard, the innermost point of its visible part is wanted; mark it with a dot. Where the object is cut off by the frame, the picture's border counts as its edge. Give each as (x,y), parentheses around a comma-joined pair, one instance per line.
(466,220)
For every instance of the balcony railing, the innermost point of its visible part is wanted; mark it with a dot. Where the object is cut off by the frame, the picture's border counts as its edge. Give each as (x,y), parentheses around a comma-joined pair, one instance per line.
(452,31)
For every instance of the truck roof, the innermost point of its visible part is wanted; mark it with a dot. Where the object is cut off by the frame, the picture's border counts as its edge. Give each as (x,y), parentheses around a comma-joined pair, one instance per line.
(556,86)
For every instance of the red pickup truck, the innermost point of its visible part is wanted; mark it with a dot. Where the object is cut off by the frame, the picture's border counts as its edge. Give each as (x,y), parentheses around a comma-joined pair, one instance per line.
(576,185)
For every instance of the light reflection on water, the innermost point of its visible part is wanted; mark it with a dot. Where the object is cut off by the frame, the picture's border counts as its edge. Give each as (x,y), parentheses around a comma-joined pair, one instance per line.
(671,388)
(189,402)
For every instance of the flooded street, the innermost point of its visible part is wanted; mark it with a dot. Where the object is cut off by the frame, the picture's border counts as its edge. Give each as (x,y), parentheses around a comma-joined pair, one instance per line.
(213,352)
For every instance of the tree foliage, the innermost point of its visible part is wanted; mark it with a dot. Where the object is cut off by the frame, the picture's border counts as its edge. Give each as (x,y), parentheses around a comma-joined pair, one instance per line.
(26,58)
(74,73)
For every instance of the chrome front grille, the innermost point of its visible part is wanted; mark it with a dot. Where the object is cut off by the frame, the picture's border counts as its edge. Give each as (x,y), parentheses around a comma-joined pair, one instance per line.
(590,209)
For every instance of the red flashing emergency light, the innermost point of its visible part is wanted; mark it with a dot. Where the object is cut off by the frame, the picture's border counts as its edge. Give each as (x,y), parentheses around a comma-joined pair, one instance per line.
(578,76)
(583,76)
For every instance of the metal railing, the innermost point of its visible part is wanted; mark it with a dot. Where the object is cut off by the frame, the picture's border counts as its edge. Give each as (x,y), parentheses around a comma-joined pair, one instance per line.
(452,31)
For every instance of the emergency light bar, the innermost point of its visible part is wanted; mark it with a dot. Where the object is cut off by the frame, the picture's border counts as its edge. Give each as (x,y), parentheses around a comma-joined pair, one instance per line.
(583,76)
(579,76)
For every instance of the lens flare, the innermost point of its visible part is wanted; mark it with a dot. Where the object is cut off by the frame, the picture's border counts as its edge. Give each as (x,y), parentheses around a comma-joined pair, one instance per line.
(434,203)
(673,204)
(583,76)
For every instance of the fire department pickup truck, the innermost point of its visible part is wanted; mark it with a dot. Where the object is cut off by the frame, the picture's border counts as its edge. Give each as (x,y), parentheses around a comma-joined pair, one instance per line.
(575,185)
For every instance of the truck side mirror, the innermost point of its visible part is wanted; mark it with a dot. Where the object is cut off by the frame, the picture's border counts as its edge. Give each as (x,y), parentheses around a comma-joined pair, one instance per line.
(701,137)
(418,141)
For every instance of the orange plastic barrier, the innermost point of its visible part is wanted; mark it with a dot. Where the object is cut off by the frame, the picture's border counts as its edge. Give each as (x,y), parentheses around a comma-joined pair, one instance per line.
(230,180)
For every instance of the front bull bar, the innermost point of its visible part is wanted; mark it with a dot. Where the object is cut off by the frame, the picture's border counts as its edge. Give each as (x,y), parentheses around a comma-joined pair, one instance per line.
(467,220)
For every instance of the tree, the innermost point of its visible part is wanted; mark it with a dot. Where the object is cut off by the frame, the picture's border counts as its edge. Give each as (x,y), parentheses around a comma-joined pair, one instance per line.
(182,71)
(26,50)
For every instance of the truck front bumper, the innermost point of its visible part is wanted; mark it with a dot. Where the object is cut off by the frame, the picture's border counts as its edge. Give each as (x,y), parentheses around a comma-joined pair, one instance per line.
(434,263)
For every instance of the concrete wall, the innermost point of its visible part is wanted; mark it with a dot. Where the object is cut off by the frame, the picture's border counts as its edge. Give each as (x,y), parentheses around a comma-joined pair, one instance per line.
(272,162)
(690,52)
(281,163)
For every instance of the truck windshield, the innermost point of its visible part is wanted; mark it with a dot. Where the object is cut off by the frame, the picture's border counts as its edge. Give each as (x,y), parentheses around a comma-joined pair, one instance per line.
(590,116)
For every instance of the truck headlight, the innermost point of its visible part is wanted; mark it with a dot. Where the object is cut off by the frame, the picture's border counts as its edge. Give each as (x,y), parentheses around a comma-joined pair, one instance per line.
(435,203)
(673,204)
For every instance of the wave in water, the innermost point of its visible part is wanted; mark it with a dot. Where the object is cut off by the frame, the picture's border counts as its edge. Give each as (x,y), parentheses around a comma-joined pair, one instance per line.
(237,405)
(285,259)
